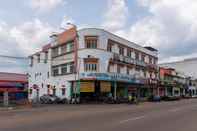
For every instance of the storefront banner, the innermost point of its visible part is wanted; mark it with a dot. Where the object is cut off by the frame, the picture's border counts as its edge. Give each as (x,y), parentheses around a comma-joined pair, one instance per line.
(111,77)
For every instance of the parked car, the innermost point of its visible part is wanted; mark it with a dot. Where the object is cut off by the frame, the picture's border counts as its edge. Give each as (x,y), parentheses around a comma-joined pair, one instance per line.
(63,101)
(49,99)
(155,98)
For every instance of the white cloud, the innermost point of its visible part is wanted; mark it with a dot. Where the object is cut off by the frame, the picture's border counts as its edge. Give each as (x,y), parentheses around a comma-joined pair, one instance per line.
(178,58)
(30,36)
(64,24)
(171,27)
(116,15)
(22,40)
(46,5)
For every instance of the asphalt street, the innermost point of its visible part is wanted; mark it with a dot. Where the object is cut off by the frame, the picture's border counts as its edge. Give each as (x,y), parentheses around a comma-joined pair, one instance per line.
(164,116)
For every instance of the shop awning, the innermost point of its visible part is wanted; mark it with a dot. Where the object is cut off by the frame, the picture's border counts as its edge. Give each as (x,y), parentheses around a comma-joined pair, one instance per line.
(11,84)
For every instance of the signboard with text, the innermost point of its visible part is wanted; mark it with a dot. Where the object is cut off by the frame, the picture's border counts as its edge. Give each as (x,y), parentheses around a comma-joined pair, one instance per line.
(109,77)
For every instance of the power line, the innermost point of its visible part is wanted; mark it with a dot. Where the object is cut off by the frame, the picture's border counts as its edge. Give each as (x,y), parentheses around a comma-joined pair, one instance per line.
(13,57)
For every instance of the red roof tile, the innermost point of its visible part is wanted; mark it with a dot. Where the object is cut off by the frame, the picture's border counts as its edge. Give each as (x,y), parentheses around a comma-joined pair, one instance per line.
(67,35)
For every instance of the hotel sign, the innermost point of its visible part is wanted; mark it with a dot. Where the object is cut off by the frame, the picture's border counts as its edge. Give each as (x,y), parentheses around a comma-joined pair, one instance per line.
(108,77)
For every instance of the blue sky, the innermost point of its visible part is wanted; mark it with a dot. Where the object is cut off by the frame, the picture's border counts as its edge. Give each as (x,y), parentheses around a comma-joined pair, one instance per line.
(170,26)
(89,12)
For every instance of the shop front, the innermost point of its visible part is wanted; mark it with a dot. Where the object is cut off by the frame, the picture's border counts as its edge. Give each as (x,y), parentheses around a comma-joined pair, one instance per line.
(99,86)
(94,90)
(16,91)
(176,92)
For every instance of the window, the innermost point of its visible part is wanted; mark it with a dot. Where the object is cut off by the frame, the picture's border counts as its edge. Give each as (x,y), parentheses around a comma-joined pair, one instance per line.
(66,48)
(55,70)
(118,68)
(109,46)
(72,67)
(55,52)
(38,58)
(67,68)
(70,47)
(63,91)
(63,49)
(150,59)
(64,69)
(143,57)
(90,66)
(46,57)
(137,56)
(121,50)
(155,61)
(128,69)
(91,41)
(129,51)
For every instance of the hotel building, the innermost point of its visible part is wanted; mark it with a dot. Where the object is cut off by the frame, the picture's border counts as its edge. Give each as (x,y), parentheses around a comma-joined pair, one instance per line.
(92,63)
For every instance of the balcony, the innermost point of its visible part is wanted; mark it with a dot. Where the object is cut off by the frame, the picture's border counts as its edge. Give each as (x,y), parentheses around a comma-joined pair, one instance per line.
(152,66)
(127,60)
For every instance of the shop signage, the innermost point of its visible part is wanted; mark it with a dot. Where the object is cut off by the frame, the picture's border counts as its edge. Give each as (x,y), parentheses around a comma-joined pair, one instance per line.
(108,77)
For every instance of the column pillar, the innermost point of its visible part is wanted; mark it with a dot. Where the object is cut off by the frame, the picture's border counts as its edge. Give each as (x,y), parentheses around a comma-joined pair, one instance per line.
(5,99)
(115,90)
(166,91)
(158,91)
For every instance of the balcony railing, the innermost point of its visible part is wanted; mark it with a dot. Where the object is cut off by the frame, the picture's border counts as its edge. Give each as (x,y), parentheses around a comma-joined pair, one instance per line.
(128,60)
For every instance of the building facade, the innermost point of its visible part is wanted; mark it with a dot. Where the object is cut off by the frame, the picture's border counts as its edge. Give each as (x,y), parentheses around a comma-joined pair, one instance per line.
(92,63)
(172,83)
(186,66)
(16,85)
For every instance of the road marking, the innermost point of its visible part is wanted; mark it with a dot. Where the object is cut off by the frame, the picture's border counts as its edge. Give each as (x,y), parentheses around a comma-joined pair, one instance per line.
(132,119)
(175,110)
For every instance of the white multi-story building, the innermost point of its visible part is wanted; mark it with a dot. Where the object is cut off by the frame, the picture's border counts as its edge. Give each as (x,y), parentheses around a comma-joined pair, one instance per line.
(98,60)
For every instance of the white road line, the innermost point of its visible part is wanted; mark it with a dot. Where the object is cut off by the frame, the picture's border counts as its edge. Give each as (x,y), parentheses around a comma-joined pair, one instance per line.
(175,110)
(132,119)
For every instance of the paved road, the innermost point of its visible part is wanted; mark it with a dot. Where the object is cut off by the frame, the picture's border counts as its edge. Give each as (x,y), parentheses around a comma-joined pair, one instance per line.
(164,116)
